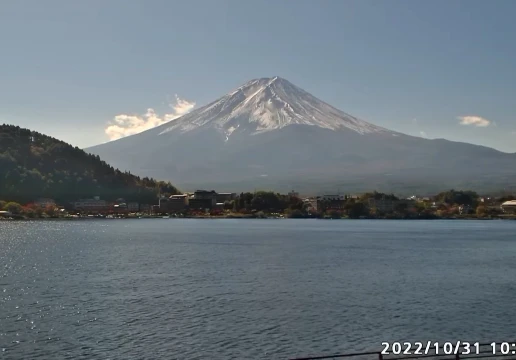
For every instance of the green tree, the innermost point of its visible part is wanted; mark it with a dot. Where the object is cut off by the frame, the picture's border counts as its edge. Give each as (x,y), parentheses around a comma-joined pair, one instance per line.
(334,214)
(401,207)
(458,197)
(295,214)
(267,201)
(260,215)
(29,212)
(13,207)
(358,210)
(373,211)
(378,196)
(295,203)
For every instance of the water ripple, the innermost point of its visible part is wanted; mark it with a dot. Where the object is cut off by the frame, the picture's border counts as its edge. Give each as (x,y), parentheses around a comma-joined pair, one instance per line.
(185,289)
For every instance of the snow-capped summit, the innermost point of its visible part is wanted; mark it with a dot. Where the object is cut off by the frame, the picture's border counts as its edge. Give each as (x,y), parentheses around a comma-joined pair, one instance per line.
(267,104)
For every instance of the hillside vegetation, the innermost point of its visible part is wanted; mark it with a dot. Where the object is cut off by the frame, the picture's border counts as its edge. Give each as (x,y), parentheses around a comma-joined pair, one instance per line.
(33,165)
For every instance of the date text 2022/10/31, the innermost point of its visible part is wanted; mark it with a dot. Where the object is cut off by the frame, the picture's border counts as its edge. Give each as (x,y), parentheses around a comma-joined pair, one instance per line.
(447,348)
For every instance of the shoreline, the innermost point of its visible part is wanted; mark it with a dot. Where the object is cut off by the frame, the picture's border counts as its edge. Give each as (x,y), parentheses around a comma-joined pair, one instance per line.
(250,218)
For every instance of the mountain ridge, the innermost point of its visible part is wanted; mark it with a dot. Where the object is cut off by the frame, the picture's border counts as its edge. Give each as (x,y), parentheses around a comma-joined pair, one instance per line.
(35,165)
(269,131)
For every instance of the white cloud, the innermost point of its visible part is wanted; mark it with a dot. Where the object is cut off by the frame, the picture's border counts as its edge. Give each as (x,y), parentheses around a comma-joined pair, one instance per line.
(423,134)
(124,125)
(474,121)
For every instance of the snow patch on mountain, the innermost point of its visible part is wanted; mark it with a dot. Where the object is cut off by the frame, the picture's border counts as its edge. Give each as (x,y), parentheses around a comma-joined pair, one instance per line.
(230,130)
(267,104)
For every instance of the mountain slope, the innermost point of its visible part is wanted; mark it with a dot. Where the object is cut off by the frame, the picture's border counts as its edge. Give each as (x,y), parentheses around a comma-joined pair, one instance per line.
(33,165)
(270,133)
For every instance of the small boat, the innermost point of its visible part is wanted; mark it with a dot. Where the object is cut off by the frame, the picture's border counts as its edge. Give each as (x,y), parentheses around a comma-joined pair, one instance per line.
(166,217)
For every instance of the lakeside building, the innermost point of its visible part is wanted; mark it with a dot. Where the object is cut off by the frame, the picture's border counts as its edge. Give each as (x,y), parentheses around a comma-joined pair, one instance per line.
(330,202)
(293,194)
(509,207)
(311,204)
(198,200)
(91,205)
(5,213)
(133,206)
(97,205)
(202,200)
(145,208)
(177,203)
(223,197)
(489,201)
(383,205)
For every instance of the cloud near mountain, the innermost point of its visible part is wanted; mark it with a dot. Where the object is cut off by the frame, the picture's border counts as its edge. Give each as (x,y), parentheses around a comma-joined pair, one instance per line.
(124,125)
(474,121)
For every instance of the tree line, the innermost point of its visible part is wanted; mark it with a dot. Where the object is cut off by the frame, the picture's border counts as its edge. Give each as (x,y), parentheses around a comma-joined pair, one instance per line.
(445,204)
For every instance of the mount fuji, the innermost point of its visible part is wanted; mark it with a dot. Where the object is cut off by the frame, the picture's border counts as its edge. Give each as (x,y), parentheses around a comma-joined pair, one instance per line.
(269,133)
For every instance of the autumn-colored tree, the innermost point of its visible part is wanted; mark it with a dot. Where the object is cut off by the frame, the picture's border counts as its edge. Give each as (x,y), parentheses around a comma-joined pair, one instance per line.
(28,211)
(50,210)
(481,211)
(38,210)
(454,210)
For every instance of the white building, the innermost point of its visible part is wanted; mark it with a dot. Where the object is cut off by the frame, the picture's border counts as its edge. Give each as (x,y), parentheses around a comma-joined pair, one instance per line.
(509,206)
(5,213)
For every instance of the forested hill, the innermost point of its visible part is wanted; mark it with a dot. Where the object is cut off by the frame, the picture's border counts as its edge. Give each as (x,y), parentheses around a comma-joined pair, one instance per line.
(33,165)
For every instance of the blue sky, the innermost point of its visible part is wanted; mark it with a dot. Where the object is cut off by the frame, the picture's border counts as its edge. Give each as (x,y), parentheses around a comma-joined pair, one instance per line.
(68,68)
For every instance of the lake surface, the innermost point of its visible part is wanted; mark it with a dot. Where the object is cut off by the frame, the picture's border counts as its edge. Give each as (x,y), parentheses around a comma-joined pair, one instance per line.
(250,289)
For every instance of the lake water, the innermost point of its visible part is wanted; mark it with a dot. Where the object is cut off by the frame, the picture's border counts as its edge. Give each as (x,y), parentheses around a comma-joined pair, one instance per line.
(250,289)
